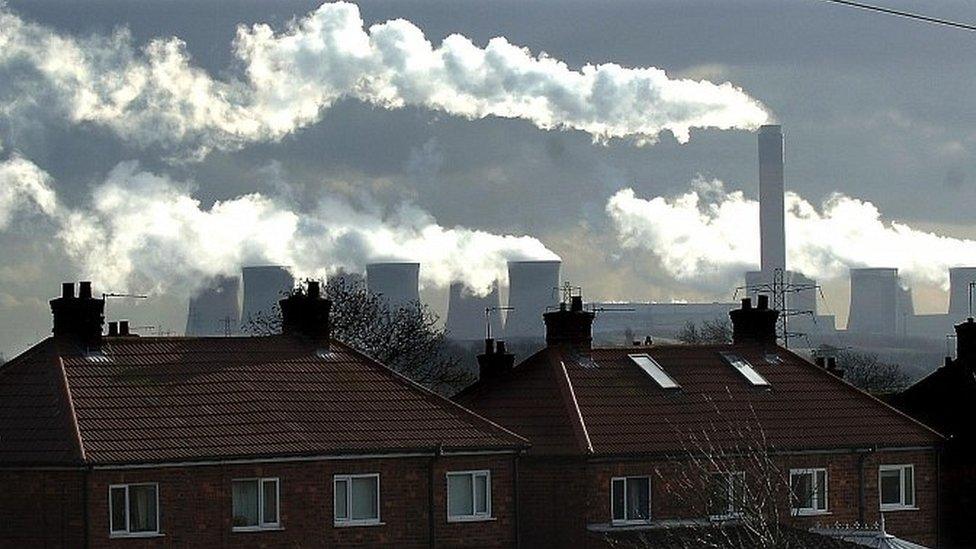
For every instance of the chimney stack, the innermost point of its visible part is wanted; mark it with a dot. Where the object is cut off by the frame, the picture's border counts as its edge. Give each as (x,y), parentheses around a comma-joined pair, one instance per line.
(570,325)
(78,317)
(495,361)
(754,325)
(772,211)
(966,341)
(306,314)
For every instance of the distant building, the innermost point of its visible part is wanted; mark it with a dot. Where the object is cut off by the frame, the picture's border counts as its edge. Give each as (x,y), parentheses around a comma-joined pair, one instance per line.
(216,309)
(532,290)
(613,428)
(263,287)
(466,316)
(398,283)
(275,441)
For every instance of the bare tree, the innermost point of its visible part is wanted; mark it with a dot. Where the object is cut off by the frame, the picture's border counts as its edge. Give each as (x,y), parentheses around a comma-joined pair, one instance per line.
(405,338)
(731,490)
(866,371)
(710,332)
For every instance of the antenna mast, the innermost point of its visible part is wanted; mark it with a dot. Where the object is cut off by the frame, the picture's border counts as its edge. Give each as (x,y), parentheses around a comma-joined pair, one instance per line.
(779,288)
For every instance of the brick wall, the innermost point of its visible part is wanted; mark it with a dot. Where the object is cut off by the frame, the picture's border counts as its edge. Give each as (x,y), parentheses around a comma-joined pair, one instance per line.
(41,509)
(591,494)
(196,510)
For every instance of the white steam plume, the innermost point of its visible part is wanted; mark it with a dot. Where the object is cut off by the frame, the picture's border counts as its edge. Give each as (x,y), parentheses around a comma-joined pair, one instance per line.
(145,232)
(710,236)
(154,95)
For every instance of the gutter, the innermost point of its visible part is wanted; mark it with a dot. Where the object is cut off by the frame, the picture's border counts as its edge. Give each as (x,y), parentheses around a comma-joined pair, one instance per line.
(861,492)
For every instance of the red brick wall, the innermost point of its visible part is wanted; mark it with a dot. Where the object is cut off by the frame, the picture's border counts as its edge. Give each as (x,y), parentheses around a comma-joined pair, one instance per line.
(587,488)
(195,506)
(41,509)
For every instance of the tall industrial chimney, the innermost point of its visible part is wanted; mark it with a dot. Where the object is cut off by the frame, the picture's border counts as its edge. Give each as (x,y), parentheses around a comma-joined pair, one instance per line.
(398,283)
(216,309)
(772,229)
(466,313)
(263,287)
(959,280)
(532,288)
(874,301)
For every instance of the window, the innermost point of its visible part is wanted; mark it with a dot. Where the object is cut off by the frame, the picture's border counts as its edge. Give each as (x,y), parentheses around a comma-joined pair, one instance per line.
(655,371)
(468,495)
(630,500)
(357,500)
(743,366)
(727,495)
(809,490)
(896,484)
(134,509)
(255,502)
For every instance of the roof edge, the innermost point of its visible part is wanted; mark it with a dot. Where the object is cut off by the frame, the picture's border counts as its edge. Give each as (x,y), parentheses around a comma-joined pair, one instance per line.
(72,414)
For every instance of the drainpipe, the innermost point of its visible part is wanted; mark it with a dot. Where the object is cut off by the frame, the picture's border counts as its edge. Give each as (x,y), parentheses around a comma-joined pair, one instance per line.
(861,492)
(516,497)
(431,524)
(938,496)
(85,479)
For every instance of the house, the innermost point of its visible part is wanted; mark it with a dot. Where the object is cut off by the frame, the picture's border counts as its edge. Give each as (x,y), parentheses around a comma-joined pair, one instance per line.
(289,440)
(652,437)
(944,399)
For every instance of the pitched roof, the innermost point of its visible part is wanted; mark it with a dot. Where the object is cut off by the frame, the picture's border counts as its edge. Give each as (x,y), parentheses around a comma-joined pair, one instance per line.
(165,399)
(620,409)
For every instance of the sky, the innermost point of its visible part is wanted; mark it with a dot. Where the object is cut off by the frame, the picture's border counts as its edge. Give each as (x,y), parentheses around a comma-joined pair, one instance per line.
(350,155)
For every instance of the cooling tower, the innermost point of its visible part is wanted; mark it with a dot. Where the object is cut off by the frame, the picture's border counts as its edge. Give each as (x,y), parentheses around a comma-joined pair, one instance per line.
(398,283)
(804,297)
(215,310)
(874,301)
(532,287)
(959,279)
(263,288)
(772,232)
(466,313)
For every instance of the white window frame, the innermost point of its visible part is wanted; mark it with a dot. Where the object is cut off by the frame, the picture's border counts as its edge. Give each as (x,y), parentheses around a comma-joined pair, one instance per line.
(475,515)
(735,507)
(815,501)
(349,521)
(262,524)
(901,506)
(126,533)
(625,521)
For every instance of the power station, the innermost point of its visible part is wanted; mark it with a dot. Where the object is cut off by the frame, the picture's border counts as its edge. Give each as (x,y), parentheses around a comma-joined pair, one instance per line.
(263,287)
(216,309)
(467,312)
(532,290)
(396,282)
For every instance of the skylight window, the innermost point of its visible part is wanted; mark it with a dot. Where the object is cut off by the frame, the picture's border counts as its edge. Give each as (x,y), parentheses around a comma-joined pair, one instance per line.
(654,370)
(742,366)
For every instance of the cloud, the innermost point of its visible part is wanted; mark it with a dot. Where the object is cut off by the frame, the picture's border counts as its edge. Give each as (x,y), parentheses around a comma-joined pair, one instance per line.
(154,95)
(145,232)
(709,236)
(24,187)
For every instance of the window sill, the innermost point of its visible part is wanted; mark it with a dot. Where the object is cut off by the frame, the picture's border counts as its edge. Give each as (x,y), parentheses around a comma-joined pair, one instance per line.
(246,529)
(809,513)
(470,519)
(626,523)
(358,524)
(137,535)
(724,518)
(893,508)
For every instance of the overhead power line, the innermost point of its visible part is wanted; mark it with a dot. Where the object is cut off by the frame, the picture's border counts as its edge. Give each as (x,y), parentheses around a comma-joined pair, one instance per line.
(905,14)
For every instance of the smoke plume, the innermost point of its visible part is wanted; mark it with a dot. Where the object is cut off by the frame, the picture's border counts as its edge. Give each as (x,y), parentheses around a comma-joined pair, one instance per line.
(145,232)
(154,95)
(710,236)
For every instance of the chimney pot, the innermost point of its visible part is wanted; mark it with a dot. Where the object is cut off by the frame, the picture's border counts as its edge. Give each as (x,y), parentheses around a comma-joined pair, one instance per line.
(113,328)
(67,290)
(751,325)
(572,326)
(124,327)
(307,315)
(494,361)
(84,289)
(81,317)
(966,340)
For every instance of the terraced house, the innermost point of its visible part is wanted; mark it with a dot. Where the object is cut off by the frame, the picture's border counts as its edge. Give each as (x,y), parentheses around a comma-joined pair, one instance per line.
(289,440)
(632,442)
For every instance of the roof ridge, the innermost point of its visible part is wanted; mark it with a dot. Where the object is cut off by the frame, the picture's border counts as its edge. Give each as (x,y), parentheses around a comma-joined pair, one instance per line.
(569,399)
(72,415)
(454,406)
